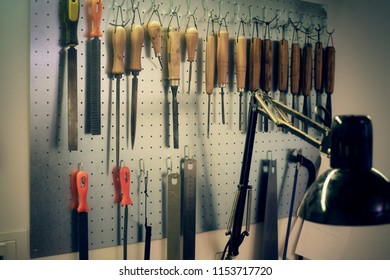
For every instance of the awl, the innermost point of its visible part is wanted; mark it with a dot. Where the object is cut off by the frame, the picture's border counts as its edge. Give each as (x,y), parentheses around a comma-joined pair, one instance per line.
(210,73)
(72,17)
(154,31)
(191,37)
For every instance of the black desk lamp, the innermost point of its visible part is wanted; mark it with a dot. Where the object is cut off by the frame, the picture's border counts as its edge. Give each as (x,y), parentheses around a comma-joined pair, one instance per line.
(352,193)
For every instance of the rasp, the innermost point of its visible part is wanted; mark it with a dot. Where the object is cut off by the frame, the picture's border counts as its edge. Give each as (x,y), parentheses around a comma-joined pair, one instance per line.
(72,18)
(189,209)
(96,13)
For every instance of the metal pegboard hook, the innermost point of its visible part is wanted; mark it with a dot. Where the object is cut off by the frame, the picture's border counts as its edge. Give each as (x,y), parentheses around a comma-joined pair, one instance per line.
(192,16)
(169,165)
(330,37)
(141,167)
(134,9)
(267,23)
(186,152)
(174,13)
(155,11)
(210,21)
(119,13)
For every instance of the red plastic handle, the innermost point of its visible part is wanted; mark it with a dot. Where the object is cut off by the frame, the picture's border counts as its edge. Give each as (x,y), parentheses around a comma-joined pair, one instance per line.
(117,185)
(97,6)
(124,175)
(82,190)
(73,189)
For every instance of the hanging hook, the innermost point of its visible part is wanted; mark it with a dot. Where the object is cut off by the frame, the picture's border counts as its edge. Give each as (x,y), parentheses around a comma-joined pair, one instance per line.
(141,167)
(169,164)
(193,17)
(267,23)
(186,152)
(210,21)
(134,8)
(119,12)
(176,15)
(330,37)
(156,12)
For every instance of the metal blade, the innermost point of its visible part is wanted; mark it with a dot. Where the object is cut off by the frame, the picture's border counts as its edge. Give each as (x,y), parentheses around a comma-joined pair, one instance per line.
(72,100)
(223,106)
(208,117)
(175,112)
(189,78)
(95,88)
(173,216)
(240,112)
(133,118)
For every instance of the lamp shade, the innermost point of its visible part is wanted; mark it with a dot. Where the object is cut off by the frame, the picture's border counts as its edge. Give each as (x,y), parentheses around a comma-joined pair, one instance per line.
(352,192)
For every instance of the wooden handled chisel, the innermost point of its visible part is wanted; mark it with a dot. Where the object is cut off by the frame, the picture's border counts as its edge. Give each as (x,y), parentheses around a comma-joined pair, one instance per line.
(295,77)
(267,73)
(283,69)
(154,31)
(241,48)
(96,15)
(330,57)
(72,17)
(222,64)
(307,74)
(255,63)
(318,75)
(191,38)
(136,36)
(174,53)
(210,73)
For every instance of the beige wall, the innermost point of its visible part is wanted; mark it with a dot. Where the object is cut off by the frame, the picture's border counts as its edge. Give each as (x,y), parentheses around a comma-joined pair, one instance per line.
(361,40)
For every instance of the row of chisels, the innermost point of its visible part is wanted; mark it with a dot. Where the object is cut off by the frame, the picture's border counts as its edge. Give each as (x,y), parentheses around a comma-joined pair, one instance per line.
(255,62)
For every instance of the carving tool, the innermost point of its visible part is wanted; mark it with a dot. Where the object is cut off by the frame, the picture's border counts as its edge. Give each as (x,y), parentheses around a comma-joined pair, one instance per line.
(295,76)
(210,72)
(330,57)
(124,177)
(118,43)
(96,15)
(72,17)
(222,64)
(283,69)
(255,56)
(154,31)
(267,71)
(307,70)
(82,209)
(174,53)
(241,46)
(318,74)
(136,36)
(191,37)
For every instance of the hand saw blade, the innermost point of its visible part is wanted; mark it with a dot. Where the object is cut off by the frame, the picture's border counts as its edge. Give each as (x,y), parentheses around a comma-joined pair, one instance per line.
(189,209)
(95,88)
(72,100)
(173,216)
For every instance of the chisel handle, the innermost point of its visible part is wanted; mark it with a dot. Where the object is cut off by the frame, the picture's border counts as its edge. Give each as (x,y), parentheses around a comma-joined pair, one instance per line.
(318,66)
(73,189)
(136,41)
(222,57)
(295,67)
(283,66)
(117,184)
(82,190)
(118,44)
(241,62)
(72,18)
(191,37)
(96,12)
(210,63)
(255,63)
(124,175)
(174,54)
(307,70)
(330,57)
(267,65)
(154,30)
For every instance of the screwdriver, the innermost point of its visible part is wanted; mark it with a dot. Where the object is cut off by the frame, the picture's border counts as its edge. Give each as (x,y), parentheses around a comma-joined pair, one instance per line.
(124,175)
(318,67)
(330,56)
(241,44)
(118,43)
(154,31)
(191,37)
(174,54)
(222,65)
(210,73)
(136,41)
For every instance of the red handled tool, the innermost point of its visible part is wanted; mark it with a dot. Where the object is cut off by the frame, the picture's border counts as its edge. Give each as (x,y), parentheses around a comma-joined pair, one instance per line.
(82,209)
(124,178)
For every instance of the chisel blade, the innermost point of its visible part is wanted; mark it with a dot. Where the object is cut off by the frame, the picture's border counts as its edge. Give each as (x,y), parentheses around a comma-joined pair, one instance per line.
(133,118)
(175,113)
(72,100)
(95,88)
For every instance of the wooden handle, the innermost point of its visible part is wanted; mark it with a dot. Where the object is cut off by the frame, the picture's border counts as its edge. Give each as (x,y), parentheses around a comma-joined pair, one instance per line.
(191,37)
(283,66)
(295,67)
(330,57)
(241,62)
(307,70)
(174,54)
(154,30)
(96,12)
(267,65)
(210,63)
(136,41)
(82,190)
(255,63)
(118,44)
(222,57)
(318,66)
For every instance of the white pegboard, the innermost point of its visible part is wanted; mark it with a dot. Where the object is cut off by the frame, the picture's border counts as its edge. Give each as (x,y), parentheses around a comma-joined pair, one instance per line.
(218,158)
